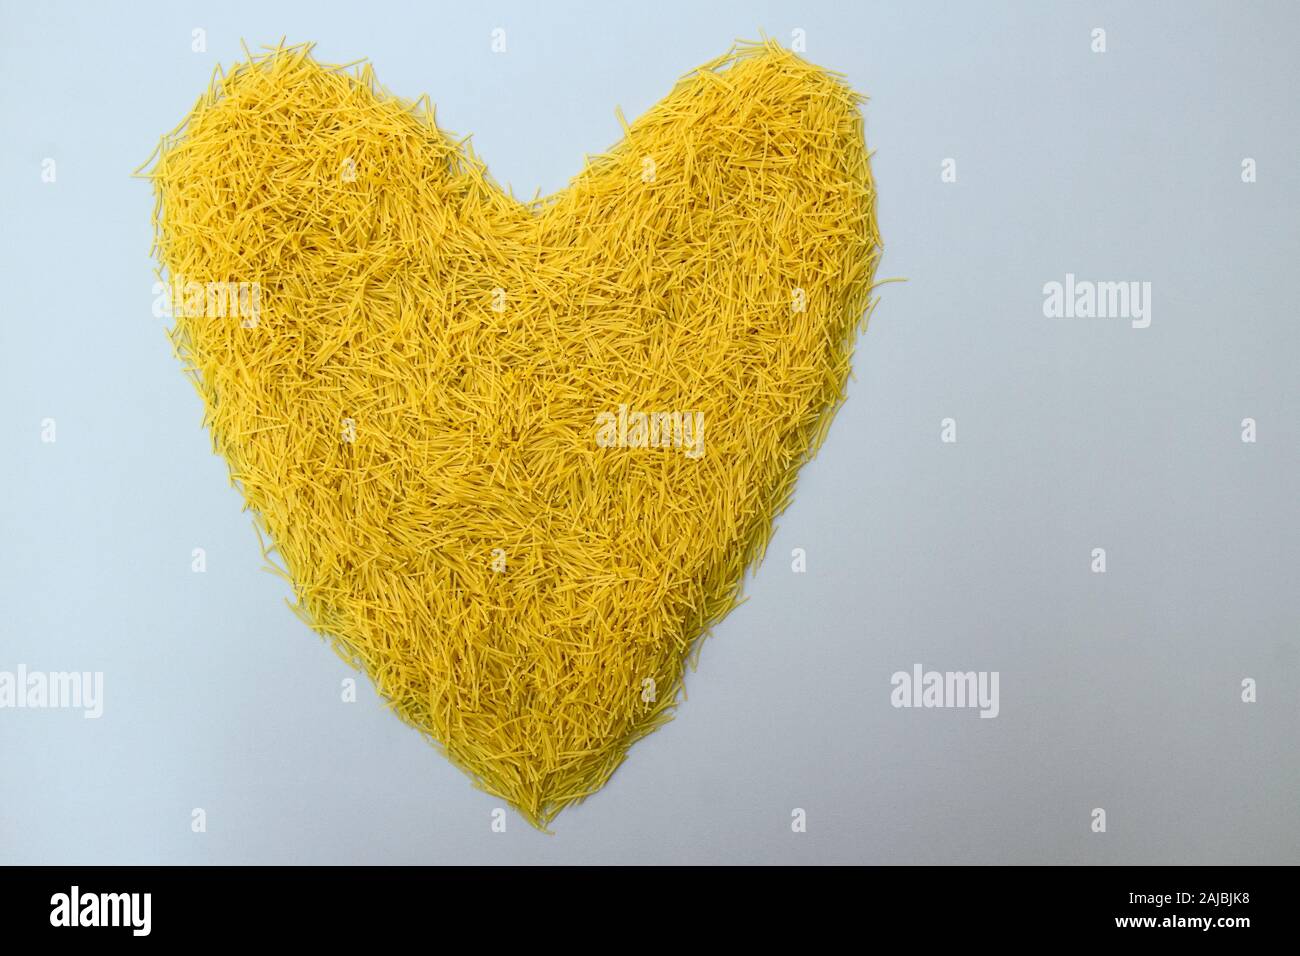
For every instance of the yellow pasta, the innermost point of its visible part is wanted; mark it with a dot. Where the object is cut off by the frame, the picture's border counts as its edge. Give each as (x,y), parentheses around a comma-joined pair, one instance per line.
(515,457)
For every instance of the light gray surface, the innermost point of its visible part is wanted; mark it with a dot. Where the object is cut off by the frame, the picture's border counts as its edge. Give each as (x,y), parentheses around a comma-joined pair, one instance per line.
(1119,691)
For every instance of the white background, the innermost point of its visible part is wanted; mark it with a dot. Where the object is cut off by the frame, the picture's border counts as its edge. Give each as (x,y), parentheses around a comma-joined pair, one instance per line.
(1119,691)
